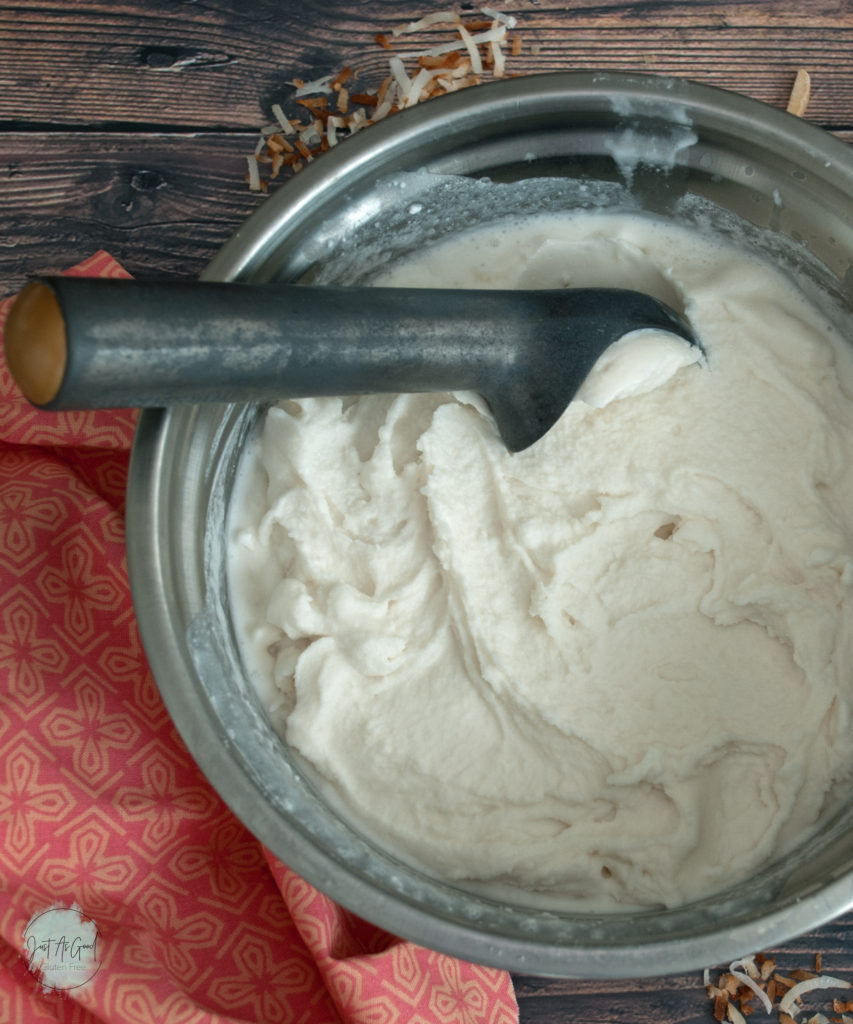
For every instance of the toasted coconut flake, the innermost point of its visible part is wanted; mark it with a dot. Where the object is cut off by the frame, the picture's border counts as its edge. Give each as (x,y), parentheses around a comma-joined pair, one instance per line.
(839,1006)
(818,962)
(798,101)
(386,105)
(342,76)
(383,89)
(788,1003)
(480,49)
(721,1003)
(319,85)
(449,60)
(498,59)
(316,104)
(729,983)
(734,1015)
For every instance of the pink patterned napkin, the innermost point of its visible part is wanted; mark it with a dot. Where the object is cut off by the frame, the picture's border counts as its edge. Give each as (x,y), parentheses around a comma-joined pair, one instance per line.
(178,914)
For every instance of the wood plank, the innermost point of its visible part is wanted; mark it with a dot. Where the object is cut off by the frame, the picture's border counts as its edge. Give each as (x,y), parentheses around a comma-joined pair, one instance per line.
(159,204)
(147,62)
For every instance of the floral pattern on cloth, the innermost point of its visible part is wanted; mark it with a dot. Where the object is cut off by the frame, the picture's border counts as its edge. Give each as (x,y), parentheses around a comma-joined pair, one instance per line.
(103,809)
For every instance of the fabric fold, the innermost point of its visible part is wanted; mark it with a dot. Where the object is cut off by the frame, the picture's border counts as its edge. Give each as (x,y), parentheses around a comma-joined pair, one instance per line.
(103,809)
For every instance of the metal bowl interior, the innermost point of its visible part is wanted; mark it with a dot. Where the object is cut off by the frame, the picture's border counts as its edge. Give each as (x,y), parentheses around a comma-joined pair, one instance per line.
(554,141)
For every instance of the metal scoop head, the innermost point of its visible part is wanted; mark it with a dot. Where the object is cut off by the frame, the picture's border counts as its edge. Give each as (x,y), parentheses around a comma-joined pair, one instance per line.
(75,343)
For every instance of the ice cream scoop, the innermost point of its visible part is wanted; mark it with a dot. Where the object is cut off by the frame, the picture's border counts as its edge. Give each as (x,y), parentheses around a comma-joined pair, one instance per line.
(75,343)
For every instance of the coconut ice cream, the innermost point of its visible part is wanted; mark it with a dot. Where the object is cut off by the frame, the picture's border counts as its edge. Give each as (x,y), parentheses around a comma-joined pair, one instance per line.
(613,669)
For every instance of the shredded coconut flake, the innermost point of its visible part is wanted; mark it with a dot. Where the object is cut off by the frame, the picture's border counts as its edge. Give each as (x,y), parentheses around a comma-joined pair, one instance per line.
(788,1002)
(332,126)
(418,84)
(254,173)
(356,120)
(473,52)
(498,32)
(506,19)
(283,122)
(312,135)
(436,18)
(402,80)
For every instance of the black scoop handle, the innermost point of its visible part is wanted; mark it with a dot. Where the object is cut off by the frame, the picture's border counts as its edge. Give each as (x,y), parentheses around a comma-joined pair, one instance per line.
(76,343)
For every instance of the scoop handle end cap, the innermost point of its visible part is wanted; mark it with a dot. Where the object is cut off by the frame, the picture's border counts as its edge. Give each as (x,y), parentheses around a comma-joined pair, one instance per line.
(35,343)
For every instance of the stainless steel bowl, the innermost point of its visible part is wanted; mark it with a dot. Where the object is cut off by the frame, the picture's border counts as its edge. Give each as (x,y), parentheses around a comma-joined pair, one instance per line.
(562,140)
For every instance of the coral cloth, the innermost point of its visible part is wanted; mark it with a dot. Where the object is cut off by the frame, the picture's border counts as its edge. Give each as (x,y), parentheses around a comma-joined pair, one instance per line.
(103,810)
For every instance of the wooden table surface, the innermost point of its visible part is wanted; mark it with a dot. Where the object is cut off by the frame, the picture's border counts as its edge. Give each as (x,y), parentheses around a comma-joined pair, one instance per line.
(126,124)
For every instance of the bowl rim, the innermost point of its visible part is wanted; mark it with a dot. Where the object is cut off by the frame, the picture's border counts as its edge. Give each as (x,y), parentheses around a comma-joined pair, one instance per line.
(243,253)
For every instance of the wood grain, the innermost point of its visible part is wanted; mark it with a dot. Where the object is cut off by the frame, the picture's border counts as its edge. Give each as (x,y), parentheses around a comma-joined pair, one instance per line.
(161,204)
(220,65)
(125,125)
